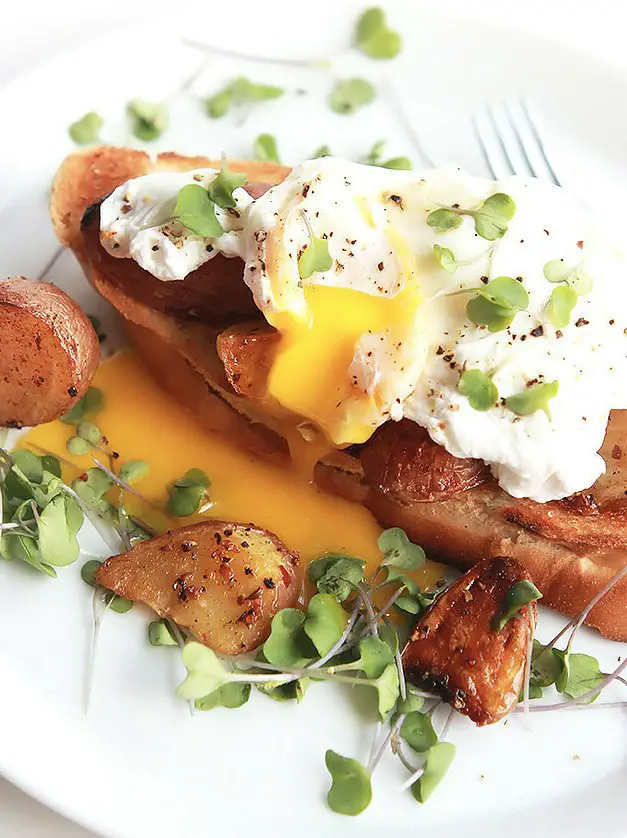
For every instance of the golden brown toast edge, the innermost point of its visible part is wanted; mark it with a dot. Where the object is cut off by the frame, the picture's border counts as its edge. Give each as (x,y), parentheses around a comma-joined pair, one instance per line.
(460,531)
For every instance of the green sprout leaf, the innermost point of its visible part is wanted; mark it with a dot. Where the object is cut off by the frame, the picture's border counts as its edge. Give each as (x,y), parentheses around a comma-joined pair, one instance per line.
(546,665)
(479,389)
(292,691)
(231,696)
(148,119)
(322,151)
(92,402)
(241,91)
(444,220)
(315,258)
(160,634)
(580,673)
(445,258)
(351,789)
(417,730)
(265,149)
(205,673)
(336,574)
(195,210)
(439,759)
(86,129)
(287,645)
(492,217)
(88,572)
(187,493)
(78,447)
(532,399)
(399,163)
(410,704)
(557,271)
(325,622)
(387,687)
(349,95)
(134,470)
(520,594)
(560,306)
(374,38)
(399,551)
(59,523)
(374,657)
(223,185)
(119,604)
(373,158)
(496,305)
(29,464)
(89,432)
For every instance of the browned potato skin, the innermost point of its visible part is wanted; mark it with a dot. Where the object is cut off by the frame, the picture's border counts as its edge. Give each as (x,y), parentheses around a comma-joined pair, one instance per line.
(401,460)
(49,352)
(223,582)
(455,651)
(247,352)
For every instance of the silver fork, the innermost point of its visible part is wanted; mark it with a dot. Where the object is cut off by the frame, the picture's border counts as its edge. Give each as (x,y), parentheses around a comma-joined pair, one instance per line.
(511,143)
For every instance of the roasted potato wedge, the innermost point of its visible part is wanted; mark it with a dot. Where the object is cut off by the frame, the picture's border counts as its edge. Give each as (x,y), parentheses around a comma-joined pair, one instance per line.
(247,352)
(222,582)
(456,652)
(49,352)
(402,460)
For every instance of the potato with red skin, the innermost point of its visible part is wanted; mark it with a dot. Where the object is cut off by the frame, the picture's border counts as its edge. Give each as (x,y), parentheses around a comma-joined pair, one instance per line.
(401,460)
(457,651)
(247,352)
(220,581)
(49,352)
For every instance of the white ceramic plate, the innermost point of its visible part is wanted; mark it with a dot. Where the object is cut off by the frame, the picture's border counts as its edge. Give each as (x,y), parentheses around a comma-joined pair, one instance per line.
(138,765)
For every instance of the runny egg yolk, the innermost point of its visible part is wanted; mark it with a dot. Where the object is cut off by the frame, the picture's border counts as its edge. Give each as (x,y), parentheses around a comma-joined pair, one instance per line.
(142,422)
(311,372)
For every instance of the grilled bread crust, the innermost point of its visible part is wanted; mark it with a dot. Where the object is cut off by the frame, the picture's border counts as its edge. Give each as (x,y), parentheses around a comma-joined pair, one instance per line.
(571,548)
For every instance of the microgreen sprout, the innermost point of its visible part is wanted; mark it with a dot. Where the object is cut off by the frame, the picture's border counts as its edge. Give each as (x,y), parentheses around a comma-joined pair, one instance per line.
(86,129)
(351,789)
(223,185)
(148,119)
(479,389)
(373,158)
(519,595)
(241,91)
(195,211)
(349,95)
(575,277)
(373,36)
(491,218)
(187,494)
(321,151)
(315,258)
(91,403)
(497,303)
(533,398)
(265,149)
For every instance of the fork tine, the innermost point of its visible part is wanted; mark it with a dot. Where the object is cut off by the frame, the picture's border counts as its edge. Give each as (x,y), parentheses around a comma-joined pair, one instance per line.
(519,139)
(484,146)
(501,140)
(536,135)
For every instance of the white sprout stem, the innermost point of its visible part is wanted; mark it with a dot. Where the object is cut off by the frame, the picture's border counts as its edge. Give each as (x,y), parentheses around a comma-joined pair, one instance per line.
(376,759)
(402,685)
(397,747)
(99,605)
(307,223)
(373,747)
(8,526)
(383,611)
(96,523)
(121,483)
(447,724)
(370,611)
(574,704)
(528,663)
(412,779)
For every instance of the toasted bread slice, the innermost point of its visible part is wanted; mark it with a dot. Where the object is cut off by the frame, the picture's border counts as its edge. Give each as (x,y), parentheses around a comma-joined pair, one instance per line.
(571,549)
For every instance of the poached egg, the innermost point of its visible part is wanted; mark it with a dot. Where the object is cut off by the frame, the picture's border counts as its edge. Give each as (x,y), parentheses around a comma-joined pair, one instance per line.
(382,331)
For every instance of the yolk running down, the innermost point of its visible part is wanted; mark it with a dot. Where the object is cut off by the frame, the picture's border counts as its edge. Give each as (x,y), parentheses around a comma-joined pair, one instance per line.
(310,374)
(142,422)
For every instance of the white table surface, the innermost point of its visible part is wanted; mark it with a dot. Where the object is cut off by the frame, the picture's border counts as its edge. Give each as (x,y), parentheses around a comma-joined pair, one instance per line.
(34,31)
